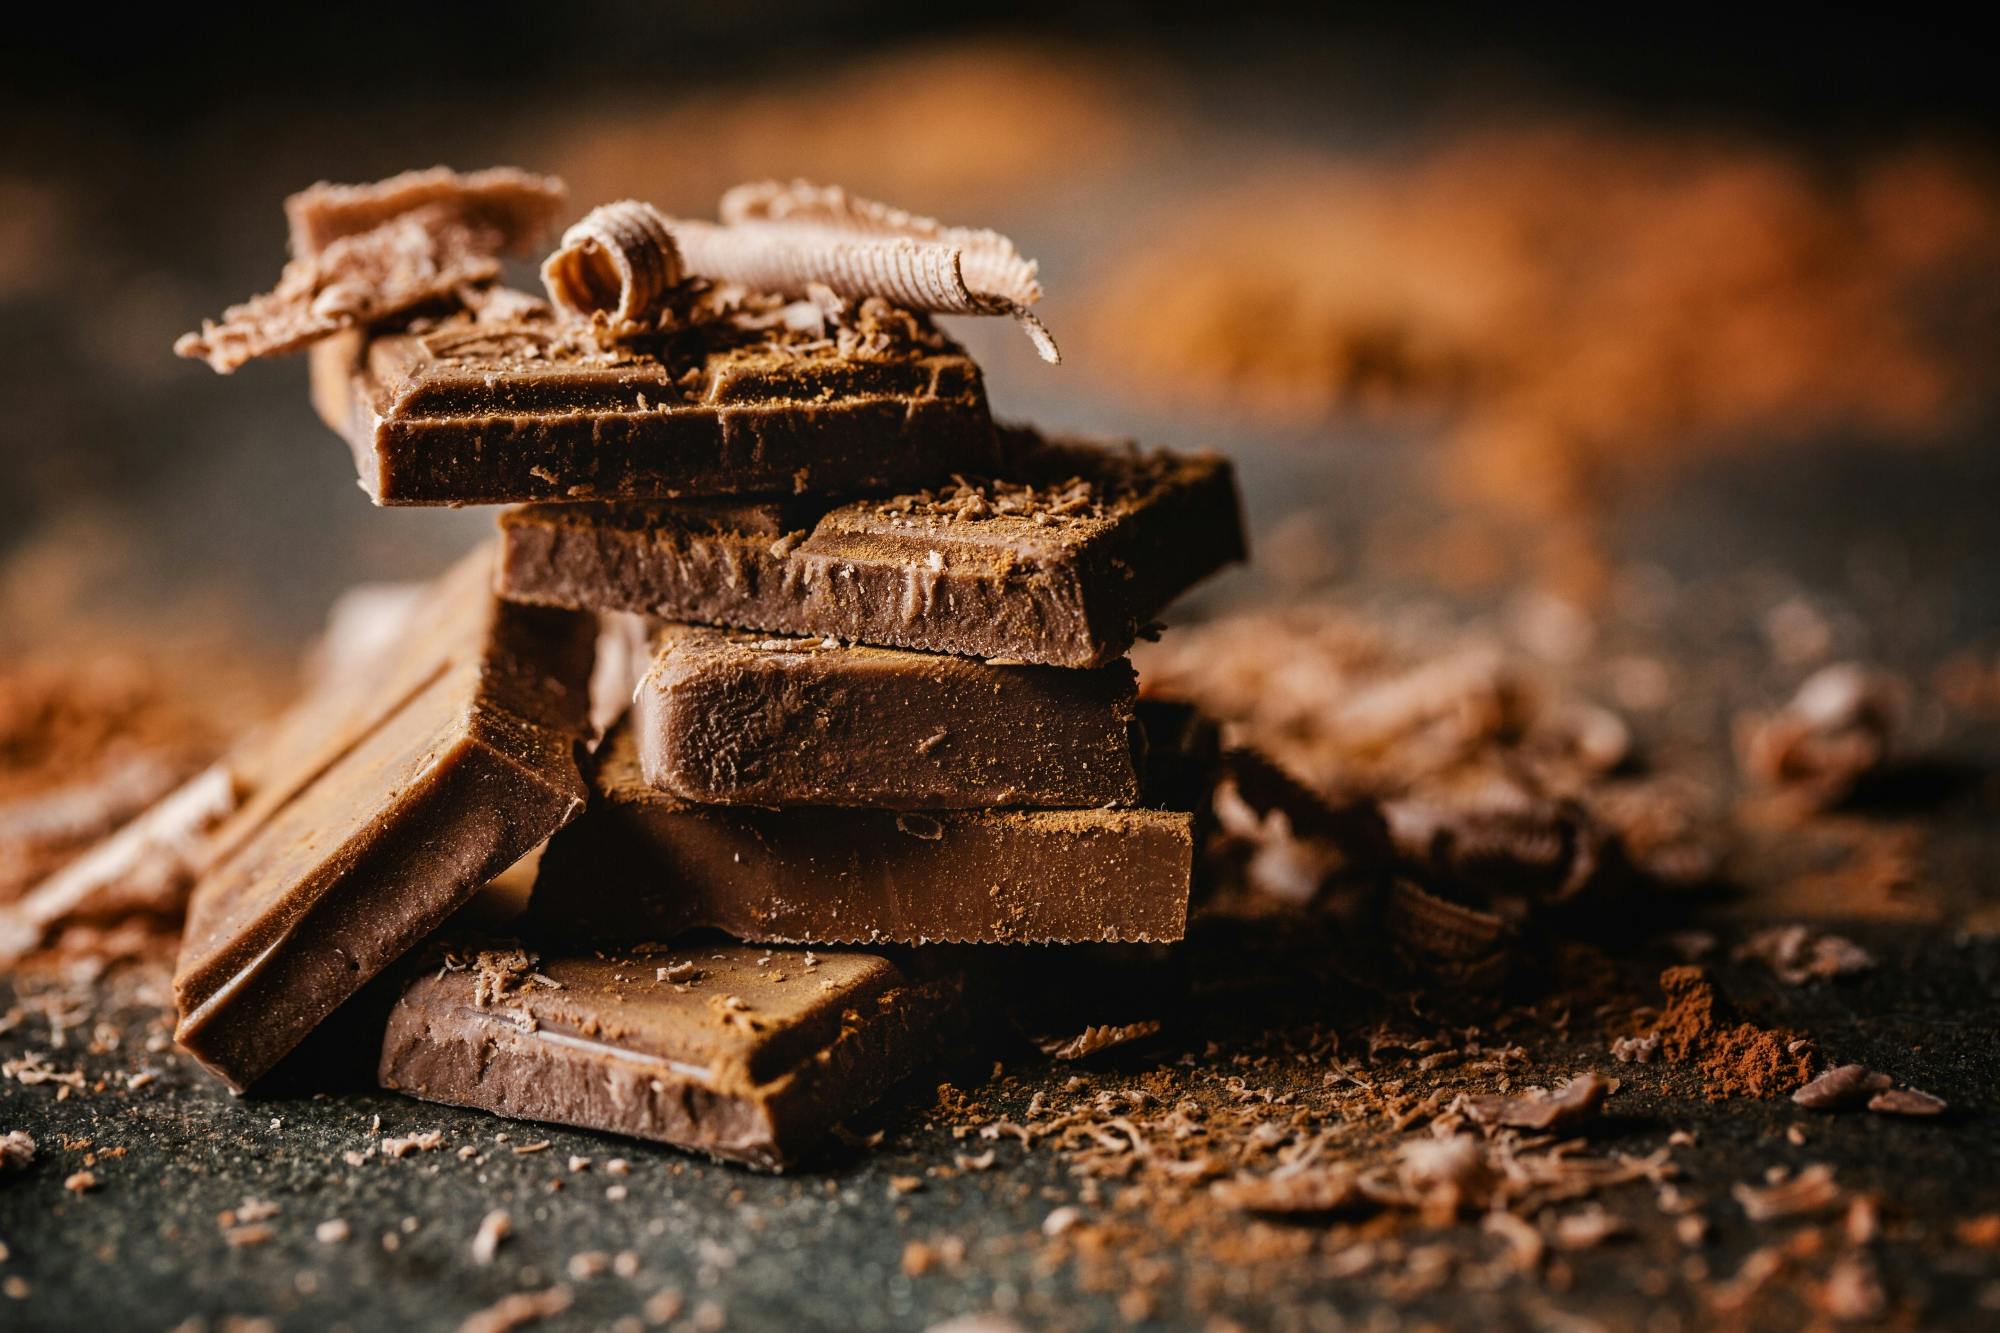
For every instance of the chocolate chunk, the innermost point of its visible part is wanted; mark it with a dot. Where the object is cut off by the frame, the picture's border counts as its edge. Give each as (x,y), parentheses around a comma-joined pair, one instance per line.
(741,719)
(1064,562)
(644,865)
(376,807)
(494,408)
(745,1054)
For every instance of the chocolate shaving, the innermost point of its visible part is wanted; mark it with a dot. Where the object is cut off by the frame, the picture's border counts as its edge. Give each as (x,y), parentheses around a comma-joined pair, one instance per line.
(617,265)
(520,205)
(1840,1088)
(1836,730)
(1315,1189)
(523,1307)
(1449,938)
(1906,1101)
(17,1149)
(1810,1191)
(147,865)
(1798,954)
(408,254)
(789,239)
(1536,1109)
(1095,1039)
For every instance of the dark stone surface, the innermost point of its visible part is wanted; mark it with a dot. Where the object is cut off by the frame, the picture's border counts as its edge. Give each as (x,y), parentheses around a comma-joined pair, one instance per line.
(825,1247)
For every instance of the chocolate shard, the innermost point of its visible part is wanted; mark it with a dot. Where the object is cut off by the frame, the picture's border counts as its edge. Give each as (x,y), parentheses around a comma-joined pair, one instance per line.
(645,865)
(749,1055)
(375,808)
(1063,560)
(506,405)
(739,718)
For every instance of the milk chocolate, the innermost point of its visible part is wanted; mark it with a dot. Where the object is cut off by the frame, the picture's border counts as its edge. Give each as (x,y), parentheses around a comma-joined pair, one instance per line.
(1063,560)
(376,807)
(749,1055)
(738,718)
(506,405)
(643,865)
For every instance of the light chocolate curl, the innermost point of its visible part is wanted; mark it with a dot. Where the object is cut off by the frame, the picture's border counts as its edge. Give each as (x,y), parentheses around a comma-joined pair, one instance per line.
(620,262)
(365,253)
(785,239)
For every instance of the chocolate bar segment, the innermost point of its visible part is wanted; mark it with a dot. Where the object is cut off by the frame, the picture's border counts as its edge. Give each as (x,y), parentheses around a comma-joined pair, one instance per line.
(377,807)
(643,865)
(485,408)
(749,1055)
(1063,560)
(739,718)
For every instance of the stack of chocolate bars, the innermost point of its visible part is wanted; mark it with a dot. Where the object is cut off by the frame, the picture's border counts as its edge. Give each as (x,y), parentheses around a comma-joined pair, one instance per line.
(880,699)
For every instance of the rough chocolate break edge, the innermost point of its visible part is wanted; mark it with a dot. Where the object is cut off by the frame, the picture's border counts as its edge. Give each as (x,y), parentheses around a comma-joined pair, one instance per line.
(381,805)
(642,865)
(740,718)
(473,412)
(749,1055)
(1030,568)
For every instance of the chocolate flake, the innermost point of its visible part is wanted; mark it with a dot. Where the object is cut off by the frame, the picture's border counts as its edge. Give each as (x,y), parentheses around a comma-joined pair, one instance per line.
(1797,954)
(422,242)
(1906,1101)
(1536,1109)
(523,1307)
(1810,1191)
(1315,1189)
(1841,1088)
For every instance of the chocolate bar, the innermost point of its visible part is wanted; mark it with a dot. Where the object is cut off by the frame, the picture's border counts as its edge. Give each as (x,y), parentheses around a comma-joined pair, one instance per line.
(1063,561)
(739,718)
(643,865)
(750,1055)
(506,405)
(374,809)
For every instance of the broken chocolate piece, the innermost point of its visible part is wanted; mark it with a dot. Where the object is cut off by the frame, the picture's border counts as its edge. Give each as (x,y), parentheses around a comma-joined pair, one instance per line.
(734,718)
(645,865)
(377,807)
(1064,562)
(750,1055)
(504,406)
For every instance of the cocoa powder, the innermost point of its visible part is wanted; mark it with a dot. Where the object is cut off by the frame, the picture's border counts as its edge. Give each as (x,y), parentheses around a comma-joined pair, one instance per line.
(1736,1058)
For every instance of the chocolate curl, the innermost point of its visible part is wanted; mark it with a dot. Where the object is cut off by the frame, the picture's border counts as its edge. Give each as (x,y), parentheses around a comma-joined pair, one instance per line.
(366,253)
(619,262)
(783,239)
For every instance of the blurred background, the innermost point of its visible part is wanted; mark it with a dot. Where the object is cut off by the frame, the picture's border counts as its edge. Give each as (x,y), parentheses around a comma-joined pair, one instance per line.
(1680,328)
